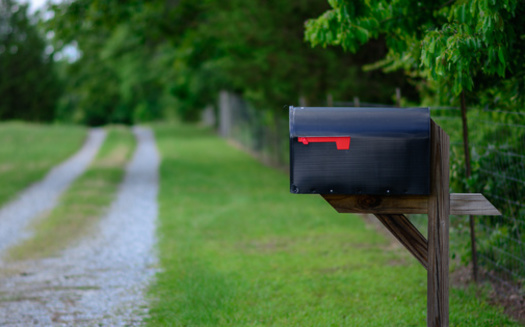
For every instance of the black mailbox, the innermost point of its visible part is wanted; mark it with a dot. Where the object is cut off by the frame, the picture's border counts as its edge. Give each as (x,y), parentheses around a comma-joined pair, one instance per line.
(360,150)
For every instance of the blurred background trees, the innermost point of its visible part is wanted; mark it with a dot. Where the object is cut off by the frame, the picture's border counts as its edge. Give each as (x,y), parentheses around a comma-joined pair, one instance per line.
(456,46)
(29,87)
(143,60)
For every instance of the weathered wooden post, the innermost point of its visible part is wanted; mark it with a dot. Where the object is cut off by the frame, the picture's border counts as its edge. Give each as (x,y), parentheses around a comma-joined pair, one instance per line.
(388,162)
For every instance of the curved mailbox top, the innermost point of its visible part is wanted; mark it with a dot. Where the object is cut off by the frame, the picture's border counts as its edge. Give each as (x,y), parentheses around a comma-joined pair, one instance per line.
(360,150)
(372,122)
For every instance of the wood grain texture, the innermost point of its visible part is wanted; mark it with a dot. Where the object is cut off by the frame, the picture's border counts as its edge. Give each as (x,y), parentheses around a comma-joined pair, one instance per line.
(471,204)
(460,204)
(438,231)
(407,234)
(378,204)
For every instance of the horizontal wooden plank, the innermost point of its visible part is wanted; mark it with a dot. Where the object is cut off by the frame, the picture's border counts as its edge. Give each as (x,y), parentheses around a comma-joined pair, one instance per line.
(471,204)
(460,204)
(378,204)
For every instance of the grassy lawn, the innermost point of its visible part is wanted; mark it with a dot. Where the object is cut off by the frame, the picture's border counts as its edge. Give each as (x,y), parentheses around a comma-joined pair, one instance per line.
(236,249)
(83,203)
(28,151)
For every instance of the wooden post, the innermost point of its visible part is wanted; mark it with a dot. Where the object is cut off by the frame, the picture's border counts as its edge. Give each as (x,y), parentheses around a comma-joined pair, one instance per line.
(398,97)
(438,229)
(302,101)
(356,102)
(329,100)
(225,114)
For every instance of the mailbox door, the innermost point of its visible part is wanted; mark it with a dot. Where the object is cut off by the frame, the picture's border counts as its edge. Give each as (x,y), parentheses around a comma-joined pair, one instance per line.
(359,150)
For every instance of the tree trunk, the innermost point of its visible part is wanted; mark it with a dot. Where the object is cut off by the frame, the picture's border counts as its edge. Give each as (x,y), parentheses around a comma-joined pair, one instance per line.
(468,173)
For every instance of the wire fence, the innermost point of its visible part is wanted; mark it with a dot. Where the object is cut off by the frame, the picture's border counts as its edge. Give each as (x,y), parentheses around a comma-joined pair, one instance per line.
(262,133)
(497,142)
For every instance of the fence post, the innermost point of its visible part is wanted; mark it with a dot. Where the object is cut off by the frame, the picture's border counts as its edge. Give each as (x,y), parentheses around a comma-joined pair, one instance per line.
(356,102)
(208,116)
(302,101)
(225,114)
(329,100)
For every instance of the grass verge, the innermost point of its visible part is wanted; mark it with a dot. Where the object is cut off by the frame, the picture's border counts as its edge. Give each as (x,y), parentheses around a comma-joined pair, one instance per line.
(236,249)
(29,151)
(83,203)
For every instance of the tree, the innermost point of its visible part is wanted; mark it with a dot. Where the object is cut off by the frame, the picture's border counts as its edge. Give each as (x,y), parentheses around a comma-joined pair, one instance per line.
(138,52)
(29,87)
(453,44)
(257,49)
(118,78)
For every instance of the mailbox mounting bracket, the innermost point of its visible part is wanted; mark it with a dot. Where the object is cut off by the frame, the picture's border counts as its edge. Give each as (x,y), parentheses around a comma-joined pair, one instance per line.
(432,253)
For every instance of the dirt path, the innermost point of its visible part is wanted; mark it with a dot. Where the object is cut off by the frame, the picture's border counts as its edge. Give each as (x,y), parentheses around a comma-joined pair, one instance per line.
(42,196)
(101,280)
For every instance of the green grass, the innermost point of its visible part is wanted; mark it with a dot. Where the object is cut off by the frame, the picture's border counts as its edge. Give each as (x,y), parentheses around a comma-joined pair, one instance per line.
(28,151)
(81,206)
(236,249)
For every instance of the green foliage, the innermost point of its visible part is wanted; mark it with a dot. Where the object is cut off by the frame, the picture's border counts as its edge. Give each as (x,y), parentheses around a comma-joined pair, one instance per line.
(500,174)
(139,56)
(497,141)
(118,78)
(29,87)
(451,44)
(256,49)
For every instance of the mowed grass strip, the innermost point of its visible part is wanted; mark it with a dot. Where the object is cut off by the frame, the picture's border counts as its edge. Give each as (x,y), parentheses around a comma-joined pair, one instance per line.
(237,249)
(28,151)
(84,203)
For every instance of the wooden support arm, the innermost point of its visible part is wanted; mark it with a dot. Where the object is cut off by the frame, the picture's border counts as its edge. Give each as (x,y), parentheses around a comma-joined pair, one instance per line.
(408,235)
(460,204)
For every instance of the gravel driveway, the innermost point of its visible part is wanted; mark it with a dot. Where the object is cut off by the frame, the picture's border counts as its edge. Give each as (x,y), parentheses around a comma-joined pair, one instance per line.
(43,196)
(100,281)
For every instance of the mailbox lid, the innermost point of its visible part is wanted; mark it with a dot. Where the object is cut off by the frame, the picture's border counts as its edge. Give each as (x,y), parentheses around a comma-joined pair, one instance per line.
(371,122)
(389,151)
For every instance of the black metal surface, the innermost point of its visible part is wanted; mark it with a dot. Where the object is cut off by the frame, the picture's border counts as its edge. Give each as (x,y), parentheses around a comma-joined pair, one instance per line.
(389,151)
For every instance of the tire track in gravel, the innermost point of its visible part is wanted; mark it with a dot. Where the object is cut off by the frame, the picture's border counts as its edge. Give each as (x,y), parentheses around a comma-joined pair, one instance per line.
(102,279)
(43,196)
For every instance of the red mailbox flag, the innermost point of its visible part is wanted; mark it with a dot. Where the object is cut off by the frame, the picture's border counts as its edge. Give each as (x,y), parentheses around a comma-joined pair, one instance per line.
(342,143)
